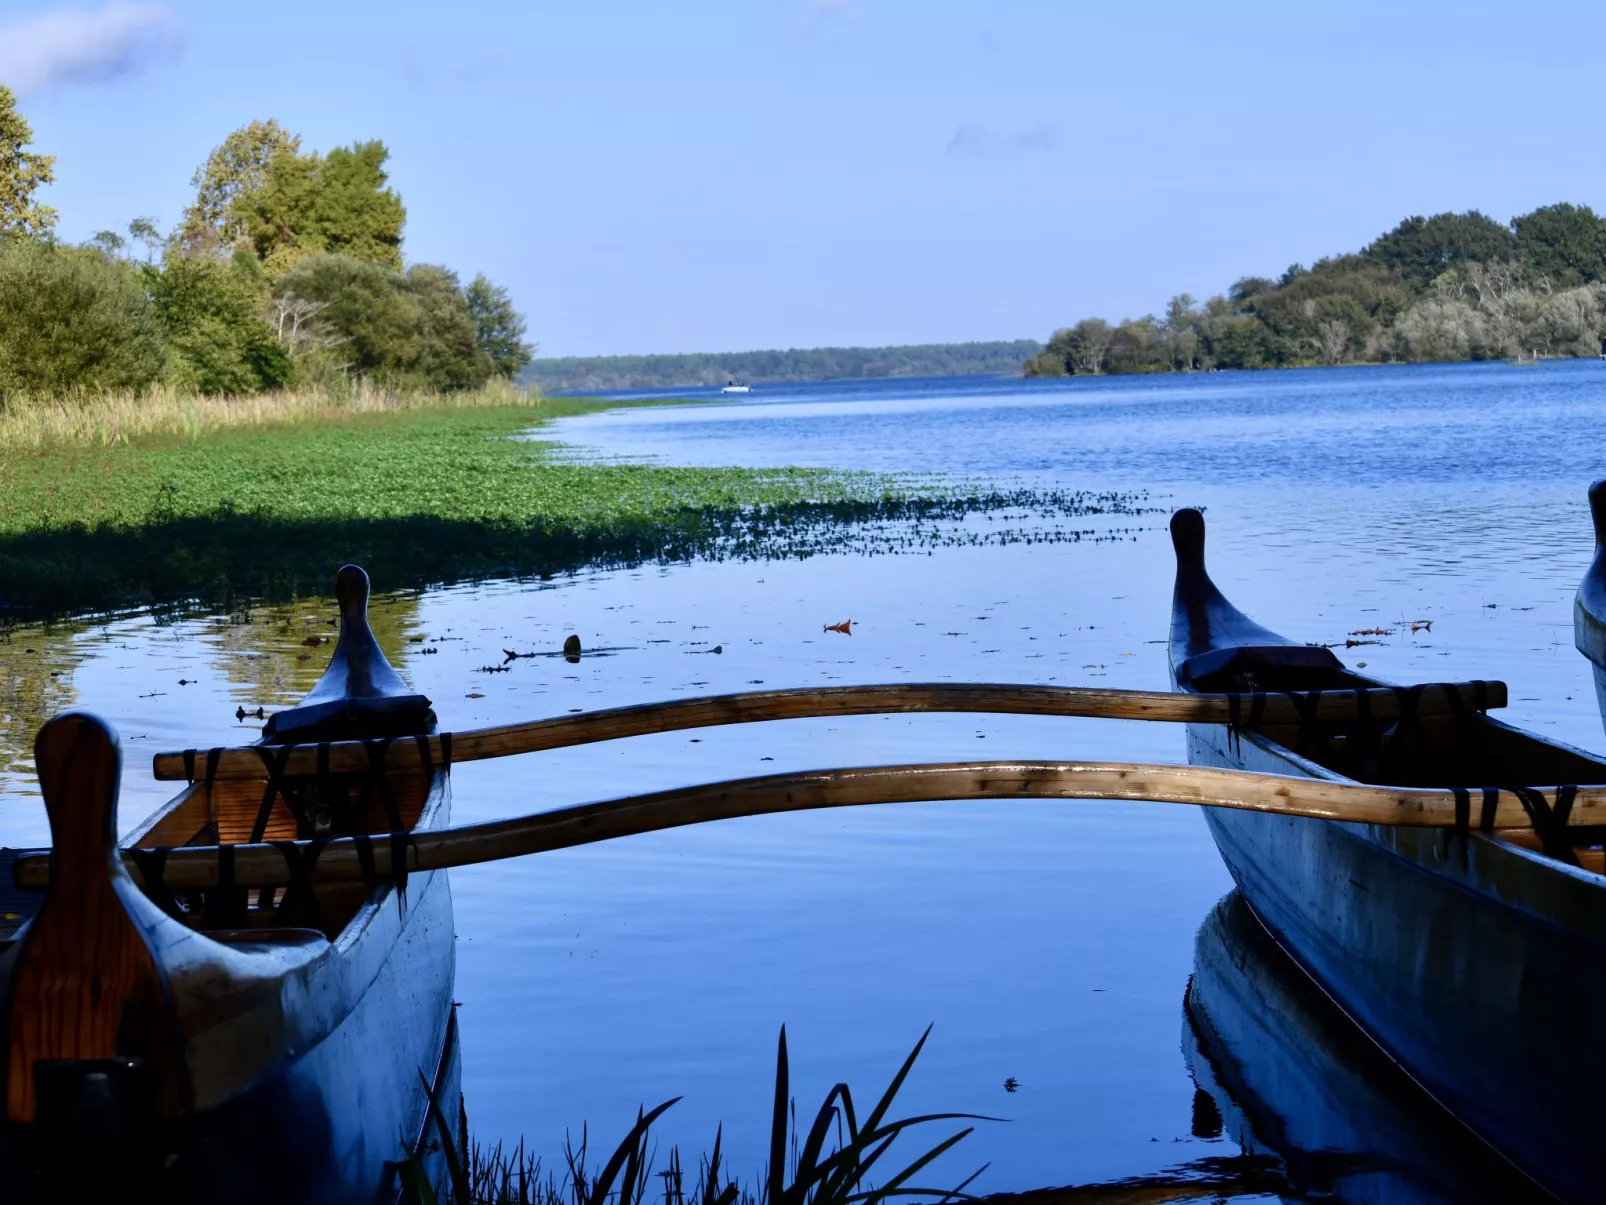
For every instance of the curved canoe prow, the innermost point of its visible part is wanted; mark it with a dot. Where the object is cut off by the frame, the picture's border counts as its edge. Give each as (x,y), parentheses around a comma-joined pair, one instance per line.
(1589,610)
(1215,646)
(94,1063)
(359,695)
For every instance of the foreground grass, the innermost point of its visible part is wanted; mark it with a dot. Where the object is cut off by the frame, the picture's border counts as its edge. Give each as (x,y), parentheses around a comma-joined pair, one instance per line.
(266,499)
(843,1160)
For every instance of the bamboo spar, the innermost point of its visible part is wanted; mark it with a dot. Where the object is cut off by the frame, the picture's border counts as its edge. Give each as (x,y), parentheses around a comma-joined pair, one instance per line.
(342,858)
(1382,703)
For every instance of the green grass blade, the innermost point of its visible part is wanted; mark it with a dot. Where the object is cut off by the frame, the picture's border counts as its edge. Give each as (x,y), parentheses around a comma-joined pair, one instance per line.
(775,1192)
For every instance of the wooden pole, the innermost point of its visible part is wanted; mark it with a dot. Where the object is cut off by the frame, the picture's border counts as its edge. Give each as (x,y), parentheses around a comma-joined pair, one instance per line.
(1384,703)
(343,858)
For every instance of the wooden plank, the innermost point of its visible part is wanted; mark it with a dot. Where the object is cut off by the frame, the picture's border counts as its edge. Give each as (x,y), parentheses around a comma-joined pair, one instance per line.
(1382,703)
(350,858)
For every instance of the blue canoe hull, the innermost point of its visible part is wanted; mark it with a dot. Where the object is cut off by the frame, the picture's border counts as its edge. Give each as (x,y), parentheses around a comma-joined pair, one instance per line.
(1480,968)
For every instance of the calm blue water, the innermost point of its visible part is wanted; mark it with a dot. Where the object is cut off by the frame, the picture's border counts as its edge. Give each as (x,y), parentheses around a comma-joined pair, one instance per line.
(1049,943)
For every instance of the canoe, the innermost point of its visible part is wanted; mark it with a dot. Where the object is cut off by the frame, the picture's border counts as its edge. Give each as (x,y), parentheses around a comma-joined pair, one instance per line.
(1476,962)
(230,1045)
(1589,609)
(1284,1074)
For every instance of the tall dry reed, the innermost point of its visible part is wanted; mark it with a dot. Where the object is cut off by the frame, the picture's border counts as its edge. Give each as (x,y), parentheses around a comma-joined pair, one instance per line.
(93,419)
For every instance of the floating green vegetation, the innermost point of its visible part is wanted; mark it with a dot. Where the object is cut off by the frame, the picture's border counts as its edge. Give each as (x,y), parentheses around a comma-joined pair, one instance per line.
(427,497)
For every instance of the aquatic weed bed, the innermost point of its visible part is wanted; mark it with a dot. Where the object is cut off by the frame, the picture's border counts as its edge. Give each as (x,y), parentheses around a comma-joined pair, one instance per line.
(429,497)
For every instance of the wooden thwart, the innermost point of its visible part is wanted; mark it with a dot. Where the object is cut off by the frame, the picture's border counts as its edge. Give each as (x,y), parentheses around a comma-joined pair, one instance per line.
(1386,703)
(345,858)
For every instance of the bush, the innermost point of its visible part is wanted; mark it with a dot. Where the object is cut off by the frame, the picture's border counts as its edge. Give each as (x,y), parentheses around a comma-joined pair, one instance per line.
(73,318)
(402,330)
(211,314)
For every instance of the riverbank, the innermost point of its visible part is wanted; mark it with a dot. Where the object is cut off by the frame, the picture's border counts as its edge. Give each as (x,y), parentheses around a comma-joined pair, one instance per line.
(209,502)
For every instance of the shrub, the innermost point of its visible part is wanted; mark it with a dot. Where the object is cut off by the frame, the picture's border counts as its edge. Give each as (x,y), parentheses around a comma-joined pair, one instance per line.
(73,318)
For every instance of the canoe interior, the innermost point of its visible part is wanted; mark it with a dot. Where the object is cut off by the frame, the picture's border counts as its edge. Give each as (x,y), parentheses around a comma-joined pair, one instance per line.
(226,812)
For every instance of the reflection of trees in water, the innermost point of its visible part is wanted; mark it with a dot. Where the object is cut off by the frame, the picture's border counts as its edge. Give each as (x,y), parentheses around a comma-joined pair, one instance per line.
(36,682)
(259,651)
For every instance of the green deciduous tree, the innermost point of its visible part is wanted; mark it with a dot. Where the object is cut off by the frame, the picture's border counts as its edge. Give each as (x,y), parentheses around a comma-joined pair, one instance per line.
(22,174)
(498,327)
(411,329)
(234,170)
(1422,249)
(211,315)
(335,204)
(1566,244)
(73,318)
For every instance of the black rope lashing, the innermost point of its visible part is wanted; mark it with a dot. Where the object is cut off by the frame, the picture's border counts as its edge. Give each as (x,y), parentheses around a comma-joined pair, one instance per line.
(1235,739)
(274,759)
(400,843)
(1463,808)
(228,899)
(299,859)
(1367,735)
(365,856)
(150,863)
(1550,824)
(1491,805)
(1305,702)
(378,748)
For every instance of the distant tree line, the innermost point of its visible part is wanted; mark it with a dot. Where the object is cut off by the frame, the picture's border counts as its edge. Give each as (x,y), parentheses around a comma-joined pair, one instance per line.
(287,269)
(612,373)
(1455,286)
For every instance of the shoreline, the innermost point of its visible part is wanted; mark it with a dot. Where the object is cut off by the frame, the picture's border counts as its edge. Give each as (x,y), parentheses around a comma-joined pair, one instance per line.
(421,495)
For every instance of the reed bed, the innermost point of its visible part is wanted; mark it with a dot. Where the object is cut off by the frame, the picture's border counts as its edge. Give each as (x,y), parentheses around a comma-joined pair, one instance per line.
(105,419)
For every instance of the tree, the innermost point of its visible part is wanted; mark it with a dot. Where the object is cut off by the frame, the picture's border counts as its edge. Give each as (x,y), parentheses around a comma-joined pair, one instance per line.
(1564,243)
(22,174)
(73,318)
(498,327)
(404,330)
(1422,249)
(335,204)
(234,170)
(210,314)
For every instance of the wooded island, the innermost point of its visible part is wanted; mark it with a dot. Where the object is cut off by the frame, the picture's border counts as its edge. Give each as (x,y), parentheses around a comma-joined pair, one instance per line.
(1455,286)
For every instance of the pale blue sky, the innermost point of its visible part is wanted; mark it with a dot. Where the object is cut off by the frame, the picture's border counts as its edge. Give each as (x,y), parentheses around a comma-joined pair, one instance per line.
(757,173)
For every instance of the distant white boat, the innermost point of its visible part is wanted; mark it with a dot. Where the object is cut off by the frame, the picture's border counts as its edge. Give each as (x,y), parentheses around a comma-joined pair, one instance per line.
(733,387)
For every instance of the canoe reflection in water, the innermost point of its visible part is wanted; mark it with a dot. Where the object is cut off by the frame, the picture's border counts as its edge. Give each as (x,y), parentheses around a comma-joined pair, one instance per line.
(1284,1073)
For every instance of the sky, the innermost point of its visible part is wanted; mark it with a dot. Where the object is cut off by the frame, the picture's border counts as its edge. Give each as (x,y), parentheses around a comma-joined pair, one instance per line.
(737,174)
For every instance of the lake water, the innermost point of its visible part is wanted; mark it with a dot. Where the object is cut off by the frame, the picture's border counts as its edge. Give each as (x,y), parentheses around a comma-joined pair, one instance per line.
(1048,943)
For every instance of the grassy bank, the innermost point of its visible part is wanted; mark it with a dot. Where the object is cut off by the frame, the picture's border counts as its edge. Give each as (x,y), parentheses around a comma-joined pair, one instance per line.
(212,502)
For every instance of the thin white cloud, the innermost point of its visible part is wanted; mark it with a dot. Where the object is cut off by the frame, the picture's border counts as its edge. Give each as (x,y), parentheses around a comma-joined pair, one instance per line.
(60,46)
(822,14)
(978,140)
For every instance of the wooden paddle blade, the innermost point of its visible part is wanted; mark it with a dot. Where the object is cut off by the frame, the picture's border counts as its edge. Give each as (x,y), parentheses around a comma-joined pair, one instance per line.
(91,1040)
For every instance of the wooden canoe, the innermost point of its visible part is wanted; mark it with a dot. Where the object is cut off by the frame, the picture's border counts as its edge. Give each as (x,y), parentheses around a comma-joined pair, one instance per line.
(1284,1074)
(1477,962)
(1589,608)
(228,1044)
